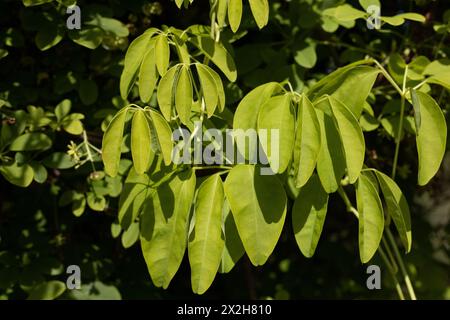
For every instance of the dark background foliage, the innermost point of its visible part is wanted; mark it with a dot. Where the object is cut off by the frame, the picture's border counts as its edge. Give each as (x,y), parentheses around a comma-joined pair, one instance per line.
(40,237)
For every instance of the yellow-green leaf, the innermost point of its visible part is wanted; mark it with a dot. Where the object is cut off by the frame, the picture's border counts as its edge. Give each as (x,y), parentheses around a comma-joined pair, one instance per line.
(351,136)
(133,60)
(307,142)
(148,76)
(431,138)
(234,14)
(164,250)
(141,142)
(260,11)
(166,92)
(163,136)
(259,218)
(162,54)
(397,207)
(209,88)
(206,241)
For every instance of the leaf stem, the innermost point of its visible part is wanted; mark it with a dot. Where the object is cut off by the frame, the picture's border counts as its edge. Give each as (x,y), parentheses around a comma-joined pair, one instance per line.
(392,273)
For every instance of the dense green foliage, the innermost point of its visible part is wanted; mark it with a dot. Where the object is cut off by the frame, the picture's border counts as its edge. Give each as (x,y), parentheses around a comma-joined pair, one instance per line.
(86,149)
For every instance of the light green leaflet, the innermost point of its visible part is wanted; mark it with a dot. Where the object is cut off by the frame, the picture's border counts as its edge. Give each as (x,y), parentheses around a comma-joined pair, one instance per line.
(233,249)
(331,160)
(166,92)
(259,218)
(112,142)
(217,53)
(260,11)
(431,138)
(308,215)
(209,88)
(219,87)
(351,136)
(184,95)
(397,207)
(21,176)
(162,54)
(164,247)
(278,114)
(246,115)
(141,142)
(221,12)
(133,59)
(307,142)
(206,241)
(148,76)
(163,135)
(134,193)
(416,106)
(234,14)
(31,141)
(371,218)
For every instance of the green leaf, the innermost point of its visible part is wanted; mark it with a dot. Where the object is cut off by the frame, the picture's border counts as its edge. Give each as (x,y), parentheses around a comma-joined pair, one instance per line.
(164,246)
(148,76)
(260,11)
(259,218)
(222,6)
(246,115)
(397,207)
(135,191)
(21,176)
(130,236)
(371,218)
(112,142)
(47,291)
(31,142)
(206,241)
(278,114)
(234,14)
(133,60)
(96,202)
(367,3)
(307,142)
(184,95)
(431,138)
(88,92)
(233,249)
(39,172)
(358,80)
(305,54)
(344,13)
(141,142)
(163,136)
(166,91)
(59,160)
(308,215)
(331,159)
(352,138)
(209,88)
(217,53)
(49,36)
(90,38)
(416,106)
(162,54)
(63,109)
